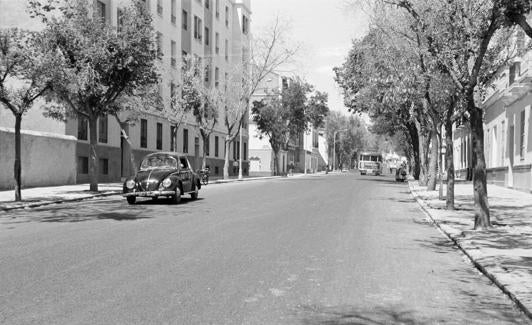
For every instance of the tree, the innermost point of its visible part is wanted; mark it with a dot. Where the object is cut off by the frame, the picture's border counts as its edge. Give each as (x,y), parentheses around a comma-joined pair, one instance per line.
(270,51)
(285,115)
(271,118)
(100,63)
(198,98)
(381,78)
(347,144)
(26,70)
(459,35)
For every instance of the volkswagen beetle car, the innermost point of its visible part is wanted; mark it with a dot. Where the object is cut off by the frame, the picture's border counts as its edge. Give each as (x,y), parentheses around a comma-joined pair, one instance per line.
(162,174)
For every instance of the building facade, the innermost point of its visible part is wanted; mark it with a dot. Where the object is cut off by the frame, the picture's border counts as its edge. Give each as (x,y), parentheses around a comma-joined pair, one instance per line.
(218,31)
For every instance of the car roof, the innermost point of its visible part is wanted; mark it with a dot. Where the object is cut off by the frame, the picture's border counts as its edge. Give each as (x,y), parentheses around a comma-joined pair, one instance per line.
(164,153)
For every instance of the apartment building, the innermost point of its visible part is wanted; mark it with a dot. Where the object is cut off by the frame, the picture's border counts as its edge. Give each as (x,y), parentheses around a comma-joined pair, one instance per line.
(507,124)
(218,31)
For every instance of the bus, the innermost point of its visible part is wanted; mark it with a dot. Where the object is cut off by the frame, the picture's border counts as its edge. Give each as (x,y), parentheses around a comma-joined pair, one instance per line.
(370,163)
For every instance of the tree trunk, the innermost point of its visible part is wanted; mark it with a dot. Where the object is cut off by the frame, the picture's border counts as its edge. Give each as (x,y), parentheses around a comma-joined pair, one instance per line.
(482,213)
(18,165)
(275,166)
(414,138)
(433,161)
(132,163)
(449,159)
(93,156)
(204,138)
(227,145)
(423,149)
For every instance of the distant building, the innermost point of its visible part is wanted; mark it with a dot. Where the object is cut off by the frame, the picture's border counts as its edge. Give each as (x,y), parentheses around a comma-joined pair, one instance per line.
(261,158)
(214,29)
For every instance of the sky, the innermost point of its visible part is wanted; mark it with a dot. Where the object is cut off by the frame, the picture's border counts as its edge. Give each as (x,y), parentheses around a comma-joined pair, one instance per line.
(325,30)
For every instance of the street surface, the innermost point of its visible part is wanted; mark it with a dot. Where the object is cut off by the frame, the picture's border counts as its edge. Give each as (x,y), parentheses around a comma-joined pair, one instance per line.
(329,249)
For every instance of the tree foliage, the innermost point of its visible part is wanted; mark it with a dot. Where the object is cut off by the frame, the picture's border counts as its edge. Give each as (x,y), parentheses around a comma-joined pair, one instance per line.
(100,63)
(26,71)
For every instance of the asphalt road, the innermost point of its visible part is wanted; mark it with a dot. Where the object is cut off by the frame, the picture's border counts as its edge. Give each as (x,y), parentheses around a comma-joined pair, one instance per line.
(334,249)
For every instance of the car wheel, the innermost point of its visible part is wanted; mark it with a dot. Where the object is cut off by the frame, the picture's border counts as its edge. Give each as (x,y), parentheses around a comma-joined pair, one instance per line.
(176,199)
(194,195)
(131,199)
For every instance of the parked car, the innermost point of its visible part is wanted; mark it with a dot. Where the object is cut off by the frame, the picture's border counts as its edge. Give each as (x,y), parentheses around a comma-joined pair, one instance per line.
(162,174)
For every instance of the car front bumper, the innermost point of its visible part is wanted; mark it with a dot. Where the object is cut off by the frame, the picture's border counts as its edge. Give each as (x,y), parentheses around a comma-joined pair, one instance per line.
(149,193)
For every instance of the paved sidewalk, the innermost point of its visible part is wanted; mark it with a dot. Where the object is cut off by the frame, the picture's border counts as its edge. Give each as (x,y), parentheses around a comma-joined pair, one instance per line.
(40,196)
(504,253)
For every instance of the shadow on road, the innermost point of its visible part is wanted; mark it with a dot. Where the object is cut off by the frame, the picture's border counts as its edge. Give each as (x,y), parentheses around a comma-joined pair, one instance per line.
(351,315)
(166,201)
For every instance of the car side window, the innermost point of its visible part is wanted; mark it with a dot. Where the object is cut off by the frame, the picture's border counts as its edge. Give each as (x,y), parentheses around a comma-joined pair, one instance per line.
(183,163)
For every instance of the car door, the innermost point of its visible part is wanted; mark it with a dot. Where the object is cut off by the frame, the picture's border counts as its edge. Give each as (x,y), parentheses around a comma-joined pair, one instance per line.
(185,174)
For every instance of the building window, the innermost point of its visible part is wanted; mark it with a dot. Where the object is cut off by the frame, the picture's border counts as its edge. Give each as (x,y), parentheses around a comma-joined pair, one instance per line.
(217,9)
(104,166)
(238,150)
(207,73)
(159,41)
(185,141)
(173,12)
(216,77)
(173,60)
(245,151)
(143,133)
(83,127)
(83,165)
(207,36)
(207,145)
(100,10)
(184,17)
(515,71)
(234,150)
(245,24)
(226,50)
(119,19)
(207,4)
(216,146)
(522,135)
(102,129)
(172,138)
(159,136)
(216,170)
(197,28)
(225,82)
(160,7)
(217,43)
(226,16)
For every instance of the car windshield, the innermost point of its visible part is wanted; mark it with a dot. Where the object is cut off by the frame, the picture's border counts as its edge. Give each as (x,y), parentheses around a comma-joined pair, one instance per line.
(158,161)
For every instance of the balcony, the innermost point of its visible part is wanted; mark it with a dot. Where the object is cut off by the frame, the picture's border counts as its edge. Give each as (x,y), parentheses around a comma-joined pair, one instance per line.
(518,86)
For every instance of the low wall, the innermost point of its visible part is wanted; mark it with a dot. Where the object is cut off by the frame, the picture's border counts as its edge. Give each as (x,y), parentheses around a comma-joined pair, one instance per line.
(522,178)
(47,159)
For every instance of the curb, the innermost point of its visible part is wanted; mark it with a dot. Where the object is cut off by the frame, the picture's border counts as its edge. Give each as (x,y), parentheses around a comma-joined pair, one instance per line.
(477,265)
(44,203)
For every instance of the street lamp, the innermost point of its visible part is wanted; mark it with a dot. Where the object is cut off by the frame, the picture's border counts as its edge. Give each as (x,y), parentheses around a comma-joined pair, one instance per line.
(334,147)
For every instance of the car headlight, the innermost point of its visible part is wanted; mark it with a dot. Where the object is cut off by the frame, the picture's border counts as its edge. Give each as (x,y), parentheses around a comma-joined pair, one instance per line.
(130,184)
(167,182)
